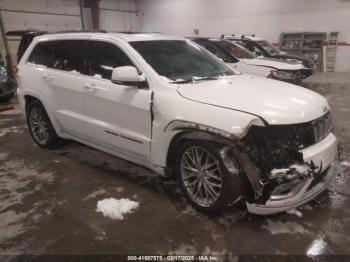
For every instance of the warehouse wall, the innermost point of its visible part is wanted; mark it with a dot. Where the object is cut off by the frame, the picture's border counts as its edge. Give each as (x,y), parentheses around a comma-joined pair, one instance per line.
(46,15)
(266,18)
(119,15)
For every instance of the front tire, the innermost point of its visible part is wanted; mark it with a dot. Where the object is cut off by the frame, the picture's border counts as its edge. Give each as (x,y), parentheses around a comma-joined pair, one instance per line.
(203,177)
(40,126)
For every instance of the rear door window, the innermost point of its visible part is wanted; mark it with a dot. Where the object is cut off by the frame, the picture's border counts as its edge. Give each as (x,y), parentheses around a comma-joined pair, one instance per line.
(65,55)
(104,57)
(69,56)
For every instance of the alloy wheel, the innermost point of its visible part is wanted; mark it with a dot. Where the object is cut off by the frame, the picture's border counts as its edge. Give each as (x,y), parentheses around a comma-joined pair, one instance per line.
(39,125)
(201,176)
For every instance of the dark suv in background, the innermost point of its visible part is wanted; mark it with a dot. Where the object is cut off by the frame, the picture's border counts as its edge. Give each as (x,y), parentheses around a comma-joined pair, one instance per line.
(262,47)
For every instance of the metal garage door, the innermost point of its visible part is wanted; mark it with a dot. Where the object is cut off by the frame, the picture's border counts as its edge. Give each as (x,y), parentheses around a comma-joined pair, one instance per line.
(119,16)
(46,15)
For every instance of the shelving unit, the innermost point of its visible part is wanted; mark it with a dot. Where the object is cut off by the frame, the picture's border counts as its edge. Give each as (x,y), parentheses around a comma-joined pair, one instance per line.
(308,44)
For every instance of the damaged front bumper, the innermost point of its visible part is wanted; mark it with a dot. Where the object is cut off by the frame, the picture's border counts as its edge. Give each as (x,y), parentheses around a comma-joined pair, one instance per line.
(293,194)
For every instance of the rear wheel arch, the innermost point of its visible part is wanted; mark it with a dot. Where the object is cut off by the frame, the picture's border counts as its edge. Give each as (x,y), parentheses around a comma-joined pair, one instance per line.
(29,98)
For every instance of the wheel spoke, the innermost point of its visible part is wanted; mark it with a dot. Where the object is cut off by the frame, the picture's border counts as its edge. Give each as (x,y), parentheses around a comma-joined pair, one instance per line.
(210,175)
(209,193)
(210,189)
(191,159)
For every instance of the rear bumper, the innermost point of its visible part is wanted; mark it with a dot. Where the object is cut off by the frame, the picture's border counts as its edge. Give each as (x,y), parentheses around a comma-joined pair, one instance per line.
(301,192)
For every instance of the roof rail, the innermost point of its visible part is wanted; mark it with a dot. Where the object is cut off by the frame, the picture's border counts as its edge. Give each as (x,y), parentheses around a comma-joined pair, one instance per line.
(77,31)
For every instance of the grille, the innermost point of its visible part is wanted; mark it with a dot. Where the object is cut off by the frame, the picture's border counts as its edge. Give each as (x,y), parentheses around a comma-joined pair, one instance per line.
(302,135)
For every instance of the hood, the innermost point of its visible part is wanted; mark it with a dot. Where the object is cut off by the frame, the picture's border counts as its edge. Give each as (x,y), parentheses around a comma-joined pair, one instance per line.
(291,56)
(305,61)
(277,102)
(274,63)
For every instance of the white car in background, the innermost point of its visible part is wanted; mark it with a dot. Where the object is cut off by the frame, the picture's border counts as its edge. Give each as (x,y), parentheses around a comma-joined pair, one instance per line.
(168,104)
(244,61)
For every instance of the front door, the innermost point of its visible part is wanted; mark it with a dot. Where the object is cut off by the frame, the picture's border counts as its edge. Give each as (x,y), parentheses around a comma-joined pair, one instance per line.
(118,117)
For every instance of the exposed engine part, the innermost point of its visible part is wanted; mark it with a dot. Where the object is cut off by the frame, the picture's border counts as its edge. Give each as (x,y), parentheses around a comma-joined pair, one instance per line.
(270,160)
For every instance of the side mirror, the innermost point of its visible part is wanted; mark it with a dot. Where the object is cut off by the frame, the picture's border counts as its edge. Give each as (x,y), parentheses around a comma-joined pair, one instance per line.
(258,53)
(129,76)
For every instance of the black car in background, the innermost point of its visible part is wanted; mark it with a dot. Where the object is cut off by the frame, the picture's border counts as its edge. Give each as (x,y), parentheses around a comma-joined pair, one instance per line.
(7,84)
(262,47)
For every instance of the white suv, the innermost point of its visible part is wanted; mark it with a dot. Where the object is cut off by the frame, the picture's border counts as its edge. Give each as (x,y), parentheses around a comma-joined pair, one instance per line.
(167,104)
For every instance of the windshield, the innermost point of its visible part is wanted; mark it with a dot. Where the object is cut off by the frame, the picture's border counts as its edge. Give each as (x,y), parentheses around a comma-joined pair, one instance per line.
(268,47)
(235,49)
(180,60)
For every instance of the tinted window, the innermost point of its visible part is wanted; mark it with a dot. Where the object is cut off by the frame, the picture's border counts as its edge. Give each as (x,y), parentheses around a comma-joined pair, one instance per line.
(180,60)
(66,55)
(235,50)
(104,57)
(69,55)
(211,47)
(42,54)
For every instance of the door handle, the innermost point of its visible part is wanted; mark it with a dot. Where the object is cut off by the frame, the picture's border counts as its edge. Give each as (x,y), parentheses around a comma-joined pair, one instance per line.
(47,77)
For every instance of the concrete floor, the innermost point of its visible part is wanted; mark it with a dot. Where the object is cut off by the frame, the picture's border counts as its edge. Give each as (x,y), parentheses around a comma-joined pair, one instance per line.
(48,201)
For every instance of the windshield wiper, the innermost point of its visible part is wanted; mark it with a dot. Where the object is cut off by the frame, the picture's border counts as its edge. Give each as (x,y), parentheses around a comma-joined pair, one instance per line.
(181,81)
(195,79)
(200,78)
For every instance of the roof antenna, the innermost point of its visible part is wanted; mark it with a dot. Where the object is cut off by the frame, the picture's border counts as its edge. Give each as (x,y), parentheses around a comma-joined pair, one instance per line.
(253,35)
(222,36)
(242,36)
(233,34)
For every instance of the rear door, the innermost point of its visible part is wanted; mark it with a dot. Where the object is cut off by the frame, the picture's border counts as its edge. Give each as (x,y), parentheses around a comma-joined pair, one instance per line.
(59,69)
(118,117)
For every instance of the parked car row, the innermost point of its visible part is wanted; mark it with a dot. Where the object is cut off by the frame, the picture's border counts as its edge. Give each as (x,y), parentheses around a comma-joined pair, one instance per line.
(244,61)
(167,103)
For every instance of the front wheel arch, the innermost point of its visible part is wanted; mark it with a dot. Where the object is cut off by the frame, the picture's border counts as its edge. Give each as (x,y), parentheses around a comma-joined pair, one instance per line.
(191,135)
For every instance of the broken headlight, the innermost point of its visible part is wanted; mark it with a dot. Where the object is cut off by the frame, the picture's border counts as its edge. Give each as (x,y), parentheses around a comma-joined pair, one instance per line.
(282,75)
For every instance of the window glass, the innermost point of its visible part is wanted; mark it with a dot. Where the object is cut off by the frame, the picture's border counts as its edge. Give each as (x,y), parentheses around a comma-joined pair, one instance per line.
(179,60)
(211,47)
(268,47)
(42,54)
(69,55)
(236,50)
(66,55)
(104,57)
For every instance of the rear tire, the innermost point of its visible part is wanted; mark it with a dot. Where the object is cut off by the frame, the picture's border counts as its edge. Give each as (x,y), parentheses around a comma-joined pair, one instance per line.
(203,177)
(40,126)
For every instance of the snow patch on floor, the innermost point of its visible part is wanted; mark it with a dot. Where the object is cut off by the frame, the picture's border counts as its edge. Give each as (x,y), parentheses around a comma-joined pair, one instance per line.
(11,130)
(184,249)
(95,194)
(276,228)
(116,208)
(345,163)
(295,212)
(3,156)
